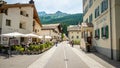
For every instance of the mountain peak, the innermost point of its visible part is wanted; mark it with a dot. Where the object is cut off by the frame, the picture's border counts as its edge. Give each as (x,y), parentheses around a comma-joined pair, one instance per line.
(42,13)
(59,12)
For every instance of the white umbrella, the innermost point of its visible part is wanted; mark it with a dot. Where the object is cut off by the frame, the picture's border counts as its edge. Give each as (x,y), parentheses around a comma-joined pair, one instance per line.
(40,36)
(48,37)
(32,35)
(14,34)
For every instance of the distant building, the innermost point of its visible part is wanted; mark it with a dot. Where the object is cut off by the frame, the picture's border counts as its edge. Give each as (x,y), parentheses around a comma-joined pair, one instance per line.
(104,15)
(53,30)
(18,18)
(74,32)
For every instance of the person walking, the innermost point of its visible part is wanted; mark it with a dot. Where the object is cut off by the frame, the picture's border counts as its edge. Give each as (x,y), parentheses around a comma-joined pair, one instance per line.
(56,43)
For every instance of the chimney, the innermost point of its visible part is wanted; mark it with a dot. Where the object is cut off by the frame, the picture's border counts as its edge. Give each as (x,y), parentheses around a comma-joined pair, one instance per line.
(31,2)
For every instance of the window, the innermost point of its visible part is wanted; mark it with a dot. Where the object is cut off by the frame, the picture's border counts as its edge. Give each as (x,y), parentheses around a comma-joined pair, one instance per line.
(84,1)
(77,37)
(90,18)
(97,33)
(104,5)
(21,12)
(72,37)
(105,32)
(24,13)
(35,30)
(0,33)
(22,26)
(86,9)
(27,15)
(90,3)
(97,13)
(33,23)
(86,20)
(5,11)
(8,22)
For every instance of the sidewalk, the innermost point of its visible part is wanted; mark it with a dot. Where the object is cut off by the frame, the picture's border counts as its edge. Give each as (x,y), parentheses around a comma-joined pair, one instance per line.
(18,61)
(103,60)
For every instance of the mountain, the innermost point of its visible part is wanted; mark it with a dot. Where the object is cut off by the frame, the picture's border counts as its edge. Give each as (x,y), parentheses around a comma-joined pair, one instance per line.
(58,14)
(43,13)
(60,17)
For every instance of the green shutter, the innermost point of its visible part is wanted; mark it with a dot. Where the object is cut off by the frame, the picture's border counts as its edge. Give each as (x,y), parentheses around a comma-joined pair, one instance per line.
(107,31)
(99,33)
(95,33)
(102,32)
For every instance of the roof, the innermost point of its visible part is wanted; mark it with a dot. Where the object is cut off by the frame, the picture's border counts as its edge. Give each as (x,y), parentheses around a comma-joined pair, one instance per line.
(36,17)
(74,28)
(52,24)
(84,24)
(51,27)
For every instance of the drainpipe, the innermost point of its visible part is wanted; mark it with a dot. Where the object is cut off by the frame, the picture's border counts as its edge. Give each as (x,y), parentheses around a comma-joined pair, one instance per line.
(111,29)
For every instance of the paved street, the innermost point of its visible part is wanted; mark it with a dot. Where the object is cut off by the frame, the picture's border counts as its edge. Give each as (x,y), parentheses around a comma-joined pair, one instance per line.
(65,56)
(62,56)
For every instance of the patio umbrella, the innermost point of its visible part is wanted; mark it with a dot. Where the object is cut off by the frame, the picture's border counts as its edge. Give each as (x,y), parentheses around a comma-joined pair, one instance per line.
(48,37)
(14,34)
(32,35)
(40,36)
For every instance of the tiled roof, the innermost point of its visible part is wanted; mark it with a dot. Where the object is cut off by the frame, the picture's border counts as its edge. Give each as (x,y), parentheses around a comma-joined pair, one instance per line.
(74,28)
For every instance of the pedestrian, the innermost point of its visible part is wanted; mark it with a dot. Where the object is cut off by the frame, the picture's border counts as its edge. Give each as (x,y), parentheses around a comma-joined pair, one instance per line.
(56,43)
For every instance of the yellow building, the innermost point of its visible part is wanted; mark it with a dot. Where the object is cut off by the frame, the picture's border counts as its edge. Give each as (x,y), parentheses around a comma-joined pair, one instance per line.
(104,14)
(74,32)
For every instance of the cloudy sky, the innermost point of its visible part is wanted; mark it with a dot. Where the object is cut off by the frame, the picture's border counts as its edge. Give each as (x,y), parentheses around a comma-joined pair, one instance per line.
(51,6)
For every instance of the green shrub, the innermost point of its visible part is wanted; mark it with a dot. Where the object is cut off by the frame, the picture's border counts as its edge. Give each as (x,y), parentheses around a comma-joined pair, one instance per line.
(41,47)
(76,42)
(37,48)
(49,44)
(18,48)
(34,48)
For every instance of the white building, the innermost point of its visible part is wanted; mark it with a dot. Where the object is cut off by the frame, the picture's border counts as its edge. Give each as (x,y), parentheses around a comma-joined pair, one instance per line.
(53,30)
(17,18)
(74,32)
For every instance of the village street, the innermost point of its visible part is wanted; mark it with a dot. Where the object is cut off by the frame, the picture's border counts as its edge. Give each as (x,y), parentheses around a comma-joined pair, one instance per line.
(62,56)
(65,56)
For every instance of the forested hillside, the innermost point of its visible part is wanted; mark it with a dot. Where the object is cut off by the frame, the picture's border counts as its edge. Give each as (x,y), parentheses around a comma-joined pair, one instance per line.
(63,18)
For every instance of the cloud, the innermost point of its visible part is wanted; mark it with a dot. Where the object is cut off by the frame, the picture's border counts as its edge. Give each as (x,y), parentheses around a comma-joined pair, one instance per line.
(51,6)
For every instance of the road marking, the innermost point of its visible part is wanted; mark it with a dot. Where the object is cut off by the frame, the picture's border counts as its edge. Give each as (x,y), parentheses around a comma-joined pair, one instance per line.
(65,57)
(42,61)
(89,61)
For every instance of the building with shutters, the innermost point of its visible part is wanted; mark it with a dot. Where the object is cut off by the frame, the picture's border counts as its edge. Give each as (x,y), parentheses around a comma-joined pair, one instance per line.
(74,32)
(104,15)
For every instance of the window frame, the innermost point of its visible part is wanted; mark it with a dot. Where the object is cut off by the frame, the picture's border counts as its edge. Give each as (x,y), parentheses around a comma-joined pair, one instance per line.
(8,22)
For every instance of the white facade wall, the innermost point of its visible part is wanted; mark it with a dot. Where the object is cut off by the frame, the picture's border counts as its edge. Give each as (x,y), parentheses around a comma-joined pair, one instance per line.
(104,45)
(16,18)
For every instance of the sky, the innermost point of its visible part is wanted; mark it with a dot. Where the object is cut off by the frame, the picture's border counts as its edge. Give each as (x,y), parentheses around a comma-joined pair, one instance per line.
(51,6)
